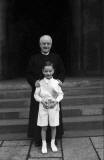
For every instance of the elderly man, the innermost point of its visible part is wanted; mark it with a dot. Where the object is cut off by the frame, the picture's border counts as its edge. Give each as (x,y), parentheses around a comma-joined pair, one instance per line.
(34,74)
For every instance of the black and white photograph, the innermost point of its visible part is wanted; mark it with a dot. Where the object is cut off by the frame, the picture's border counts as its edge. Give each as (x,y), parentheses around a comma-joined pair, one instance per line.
(51,80)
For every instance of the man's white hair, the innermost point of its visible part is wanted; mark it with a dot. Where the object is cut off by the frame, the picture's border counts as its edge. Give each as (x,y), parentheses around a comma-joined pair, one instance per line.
(45,37)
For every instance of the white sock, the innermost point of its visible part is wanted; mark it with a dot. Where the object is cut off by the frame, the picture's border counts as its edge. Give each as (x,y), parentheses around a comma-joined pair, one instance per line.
(52,141)
(44,142)
(53,146)
(44,147)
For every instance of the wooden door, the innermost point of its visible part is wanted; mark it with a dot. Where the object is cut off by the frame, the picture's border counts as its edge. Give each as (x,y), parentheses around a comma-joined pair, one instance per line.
(86,51)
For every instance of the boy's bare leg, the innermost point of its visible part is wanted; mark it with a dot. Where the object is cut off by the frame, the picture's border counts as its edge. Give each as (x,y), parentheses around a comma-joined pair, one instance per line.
(53,136)
(43,135)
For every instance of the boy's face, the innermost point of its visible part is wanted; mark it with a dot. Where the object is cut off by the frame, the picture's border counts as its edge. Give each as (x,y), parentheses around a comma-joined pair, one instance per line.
(45,45)
(48,71)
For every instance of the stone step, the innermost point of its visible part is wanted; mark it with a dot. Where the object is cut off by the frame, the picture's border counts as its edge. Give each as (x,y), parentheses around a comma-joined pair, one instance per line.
(83,123)
(19,108)
(70,124)
(21,93)
(13,136)
(15,103)
(14,113)
(65,120)
(69,82)
(82,106)
(81,119)
(14,84)
(13,122)
(83,133)
(13,110)
(83,91)
(68,111)
(68,100)
(69,107)
(83,100)
(15,94)
(19,88)
(80,85)
(67,134)
(84,81)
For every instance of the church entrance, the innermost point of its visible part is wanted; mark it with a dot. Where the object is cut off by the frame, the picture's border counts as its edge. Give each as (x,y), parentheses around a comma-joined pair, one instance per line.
(77,37)
(26,22)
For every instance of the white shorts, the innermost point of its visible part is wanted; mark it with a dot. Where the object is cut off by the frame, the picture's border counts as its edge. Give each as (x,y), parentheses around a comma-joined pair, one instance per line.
(48,116)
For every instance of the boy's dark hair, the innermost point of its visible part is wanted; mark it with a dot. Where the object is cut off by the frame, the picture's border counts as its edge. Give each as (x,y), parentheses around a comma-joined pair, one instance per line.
(48,63)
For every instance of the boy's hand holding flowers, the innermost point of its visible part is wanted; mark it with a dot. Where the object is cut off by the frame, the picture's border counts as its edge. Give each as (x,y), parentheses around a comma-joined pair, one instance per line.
(52,103)
(45,103)
(49,103)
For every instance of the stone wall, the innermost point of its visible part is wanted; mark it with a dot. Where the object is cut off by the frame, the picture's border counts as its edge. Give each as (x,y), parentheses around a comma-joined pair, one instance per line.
(2,35)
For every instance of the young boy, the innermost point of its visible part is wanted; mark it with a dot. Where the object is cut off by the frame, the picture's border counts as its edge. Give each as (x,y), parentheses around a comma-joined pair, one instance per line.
(49,94)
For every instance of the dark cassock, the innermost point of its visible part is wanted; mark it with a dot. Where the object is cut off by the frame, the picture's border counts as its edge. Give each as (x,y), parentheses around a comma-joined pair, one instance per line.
(34,73)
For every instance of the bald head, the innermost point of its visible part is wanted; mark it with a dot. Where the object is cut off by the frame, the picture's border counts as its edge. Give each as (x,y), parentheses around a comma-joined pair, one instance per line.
(45,38)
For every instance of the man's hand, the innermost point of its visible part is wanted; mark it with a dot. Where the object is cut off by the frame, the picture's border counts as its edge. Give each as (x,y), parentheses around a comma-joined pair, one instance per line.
(60,83)
(37,83)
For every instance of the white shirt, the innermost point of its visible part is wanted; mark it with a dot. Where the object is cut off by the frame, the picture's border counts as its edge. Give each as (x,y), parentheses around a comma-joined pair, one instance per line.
(49,88)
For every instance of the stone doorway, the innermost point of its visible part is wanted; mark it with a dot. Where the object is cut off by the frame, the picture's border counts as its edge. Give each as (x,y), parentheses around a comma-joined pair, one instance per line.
(26,22)
(75,26)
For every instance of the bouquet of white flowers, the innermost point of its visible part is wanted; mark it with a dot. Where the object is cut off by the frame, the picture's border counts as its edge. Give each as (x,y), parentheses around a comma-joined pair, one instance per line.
(49,102)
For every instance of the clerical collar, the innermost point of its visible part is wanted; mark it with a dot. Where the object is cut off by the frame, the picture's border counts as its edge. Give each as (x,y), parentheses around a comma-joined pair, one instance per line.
(45,53)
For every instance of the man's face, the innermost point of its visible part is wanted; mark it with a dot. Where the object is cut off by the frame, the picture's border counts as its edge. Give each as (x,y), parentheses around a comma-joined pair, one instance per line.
(45,45)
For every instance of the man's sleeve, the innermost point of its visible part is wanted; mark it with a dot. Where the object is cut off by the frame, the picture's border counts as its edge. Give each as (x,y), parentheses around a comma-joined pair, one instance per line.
(31,74)
(61,69)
